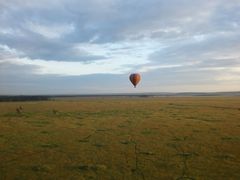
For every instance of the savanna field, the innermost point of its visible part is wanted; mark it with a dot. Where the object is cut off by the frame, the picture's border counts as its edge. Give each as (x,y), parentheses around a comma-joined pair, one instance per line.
(168,138)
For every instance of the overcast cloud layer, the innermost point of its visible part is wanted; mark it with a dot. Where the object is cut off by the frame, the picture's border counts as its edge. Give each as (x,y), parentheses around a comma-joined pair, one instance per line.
(77,47)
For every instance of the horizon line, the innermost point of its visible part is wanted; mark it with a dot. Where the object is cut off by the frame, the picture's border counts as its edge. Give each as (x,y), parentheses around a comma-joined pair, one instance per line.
(130,93)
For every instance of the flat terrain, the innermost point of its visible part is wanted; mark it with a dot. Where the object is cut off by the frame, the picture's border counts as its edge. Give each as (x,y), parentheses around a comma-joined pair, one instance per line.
(121,138)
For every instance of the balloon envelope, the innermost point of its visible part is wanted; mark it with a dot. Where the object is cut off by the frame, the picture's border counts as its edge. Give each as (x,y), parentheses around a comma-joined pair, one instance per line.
(135,78)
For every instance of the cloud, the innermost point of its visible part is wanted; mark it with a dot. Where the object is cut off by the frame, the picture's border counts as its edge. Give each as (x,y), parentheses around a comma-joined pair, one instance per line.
(63,68)
(7,52)
(51,31)
(215,49)
(186,42)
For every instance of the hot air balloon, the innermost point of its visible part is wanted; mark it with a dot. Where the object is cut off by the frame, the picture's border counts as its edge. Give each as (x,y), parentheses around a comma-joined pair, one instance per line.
(135,78)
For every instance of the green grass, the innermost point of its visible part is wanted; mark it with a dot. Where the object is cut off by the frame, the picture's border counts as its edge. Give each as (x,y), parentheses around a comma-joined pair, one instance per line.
(122,138)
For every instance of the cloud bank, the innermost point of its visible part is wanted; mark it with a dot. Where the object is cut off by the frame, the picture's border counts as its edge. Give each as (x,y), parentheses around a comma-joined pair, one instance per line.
(176,45)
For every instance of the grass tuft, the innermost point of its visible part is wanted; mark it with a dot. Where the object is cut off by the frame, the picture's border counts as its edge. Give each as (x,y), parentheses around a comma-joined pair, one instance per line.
(49,145)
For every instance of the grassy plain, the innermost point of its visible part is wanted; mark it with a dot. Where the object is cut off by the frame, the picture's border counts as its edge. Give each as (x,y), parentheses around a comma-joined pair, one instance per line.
(121,138)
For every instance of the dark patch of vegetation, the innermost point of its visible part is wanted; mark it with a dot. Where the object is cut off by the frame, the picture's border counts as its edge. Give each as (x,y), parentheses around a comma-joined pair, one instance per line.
(231,138)
(103,130)
(90,167)
(186,154)
(45,132)
(49,145)
(99,145)
(126,142)
(23,98)
(179,138)
(146,132)
(147,153)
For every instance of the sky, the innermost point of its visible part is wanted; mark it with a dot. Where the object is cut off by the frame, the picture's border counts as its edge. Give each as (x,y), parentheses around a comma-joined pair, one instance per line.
(91,47)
